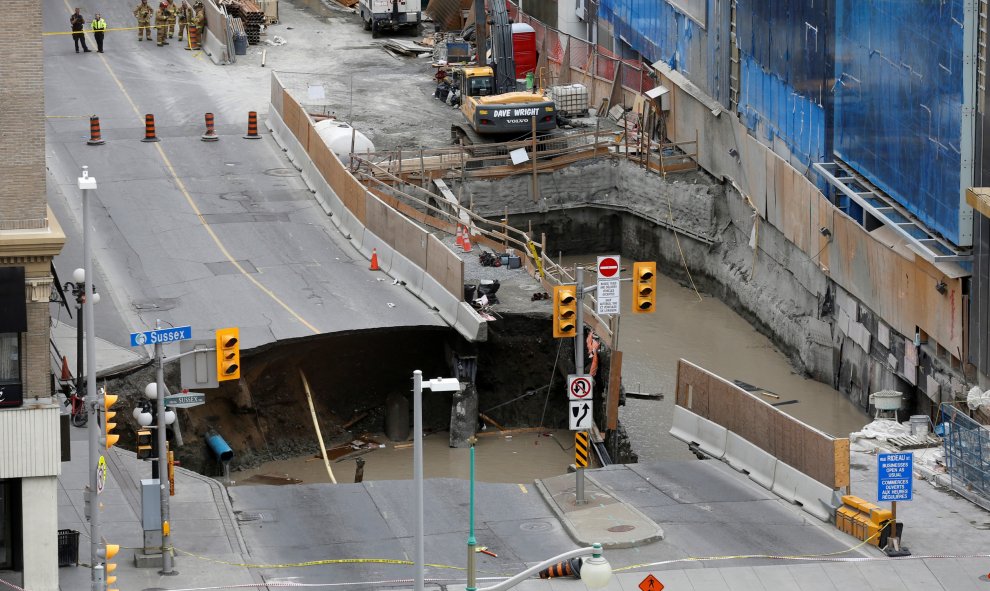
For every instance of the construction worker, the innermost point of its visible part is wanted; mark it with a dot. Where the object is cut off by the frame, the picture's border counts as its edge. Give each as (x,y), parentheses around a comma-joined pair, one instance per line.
(143,14)
(185,16)
(161,23)
(76,21)
(170,14)
(99,26)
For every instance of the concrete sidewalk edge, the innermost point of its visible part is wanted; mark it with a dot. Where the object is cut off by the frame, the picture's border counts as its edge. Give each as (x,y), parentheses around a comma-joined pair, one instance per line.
(573,531)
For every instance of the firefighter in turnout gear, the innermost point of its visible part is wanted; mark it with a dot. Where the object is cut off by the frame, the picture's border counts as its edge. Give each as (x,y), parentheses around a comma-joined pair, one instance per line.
(170,15)
(184,17)
(161,23)
(143,14)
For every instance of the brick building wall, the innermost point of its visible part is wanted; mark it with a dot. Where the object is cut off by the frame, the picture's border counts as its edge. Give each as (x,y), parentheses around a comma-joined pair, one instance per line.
(23,202)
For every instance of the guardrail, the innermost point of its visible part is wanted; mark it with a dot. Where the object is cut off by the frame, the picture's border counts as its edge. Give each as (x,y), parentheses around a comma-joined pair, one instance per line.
(794,460)
(430,270)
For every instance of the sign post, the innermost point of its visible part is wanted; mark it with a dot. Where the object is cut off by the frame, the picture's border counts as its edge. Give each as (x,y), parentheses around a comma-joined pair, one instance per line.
(158,337)
(895,482)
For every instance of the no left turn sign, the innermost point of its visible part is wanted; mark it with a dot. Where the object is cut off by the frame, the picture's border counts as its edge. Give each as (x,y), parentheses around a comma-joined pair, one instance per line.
(579,387)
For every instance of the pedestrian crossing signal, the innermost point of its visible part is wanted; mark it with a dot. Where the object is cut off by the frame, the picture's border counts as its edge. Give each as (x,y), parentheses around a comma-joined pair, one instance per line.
(228,354)
(644,287)
(564,312)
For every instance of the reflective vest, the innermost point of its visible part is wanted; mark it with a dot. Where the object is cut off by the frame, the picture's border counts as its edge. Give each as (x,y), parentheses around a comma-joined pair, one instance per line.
(99,24)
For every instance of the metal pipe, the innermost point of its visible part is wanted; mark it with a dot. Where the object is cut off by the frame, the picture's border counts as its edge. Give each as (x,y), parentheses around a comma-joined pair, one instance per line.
(418,474)
(515,580)
(472,582)
(94,423)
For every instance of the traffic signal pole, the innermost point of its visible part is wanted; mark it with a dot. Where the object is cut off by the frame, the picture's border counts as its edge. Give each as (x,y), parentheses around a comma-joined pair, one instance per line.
(162,460)
(579,365)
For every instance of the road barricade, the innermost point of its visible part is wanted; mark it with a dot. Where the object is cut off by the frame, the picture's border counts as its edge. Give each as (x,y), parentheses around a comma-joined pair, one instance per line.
(746,457)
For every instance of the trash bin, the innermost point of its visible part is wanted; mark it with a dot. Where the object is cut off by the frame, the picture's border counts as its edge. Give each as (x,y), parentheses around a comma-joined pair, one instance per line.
(240,44)
(68,547)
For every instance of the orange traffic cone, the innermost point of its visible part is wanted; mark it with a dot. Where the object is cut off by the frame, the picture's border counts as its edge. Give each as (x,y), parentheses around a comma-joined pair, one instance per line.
(374,260)
(66,376)
(467,239)
(460,236)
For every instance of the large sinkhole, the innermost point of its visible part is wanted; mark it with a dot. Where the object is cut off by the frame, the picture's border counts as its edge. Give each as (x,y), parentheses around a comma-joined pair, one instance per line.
(519,374)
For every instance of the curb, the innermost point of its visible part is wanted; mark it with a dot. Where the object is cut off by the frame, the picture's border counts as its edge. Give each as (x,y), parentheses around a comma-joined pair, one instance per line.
(576,536)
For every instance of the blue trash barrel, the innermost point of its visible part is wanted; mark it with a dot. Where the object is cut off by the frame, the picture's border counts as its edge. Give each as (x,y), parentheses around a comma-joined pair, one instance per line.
(220,448)
(240,44)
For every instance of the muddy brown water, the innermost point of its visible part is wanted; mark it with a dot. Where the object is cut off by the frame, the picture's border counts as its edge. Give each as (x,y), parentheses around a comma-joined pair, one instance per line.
(520,457)
(710,334)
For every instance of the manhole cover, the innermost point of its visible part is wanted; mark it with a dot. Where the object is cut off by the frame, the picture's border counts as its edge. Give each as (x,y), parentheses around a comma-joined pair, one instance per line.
(621,528)
(281,172)
(536,526)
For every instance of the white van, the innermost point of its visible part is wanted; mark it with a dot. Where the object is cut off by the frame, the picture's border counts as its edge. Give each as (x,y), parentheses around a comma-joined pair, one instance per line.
(380,15)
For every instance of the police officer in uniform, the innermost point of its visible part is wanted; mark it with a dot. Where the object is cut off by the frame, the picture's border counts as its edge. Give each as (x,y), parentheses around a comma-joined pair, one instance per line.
(161,23)
(143,14)
(99,26)
(76,21)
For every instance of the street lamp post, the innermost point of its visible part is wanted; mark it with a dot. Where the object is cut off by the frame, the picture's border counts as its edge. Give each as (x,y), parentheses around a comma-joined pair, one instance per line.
(162,417)
(435,385)
(87,185)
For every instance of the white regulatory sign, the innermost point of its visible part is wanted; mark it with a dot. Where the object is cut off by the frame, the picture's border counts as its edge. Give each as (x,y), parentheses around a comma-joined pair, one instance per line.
(607,296)
(580,416)
(579,387)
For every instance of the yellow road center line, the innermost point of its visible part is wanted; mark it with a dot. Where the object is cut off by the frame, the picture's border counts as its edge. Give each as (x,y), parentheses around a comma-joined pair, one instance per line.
(192,204)
(522,487)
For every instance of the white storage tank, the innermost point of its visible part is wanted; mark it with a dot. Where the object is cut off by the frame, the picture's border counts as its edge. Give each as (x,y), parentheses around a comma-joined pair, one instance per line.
(337,136)
(571,99)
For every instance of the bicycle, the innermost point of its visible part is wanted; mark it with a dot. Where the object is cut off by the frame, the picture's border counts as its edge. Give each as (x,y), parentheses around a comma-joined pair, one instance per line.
(78,415)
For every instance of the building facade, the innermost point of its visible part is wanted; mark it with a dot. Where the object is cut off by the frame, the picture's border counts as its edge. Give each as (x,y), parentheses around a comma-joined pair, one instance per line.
(30,237)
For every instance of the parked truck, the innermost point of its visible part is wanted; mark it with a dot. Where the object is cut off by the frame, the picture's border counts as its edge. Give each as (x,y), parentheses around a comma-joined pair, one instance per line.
(390,15)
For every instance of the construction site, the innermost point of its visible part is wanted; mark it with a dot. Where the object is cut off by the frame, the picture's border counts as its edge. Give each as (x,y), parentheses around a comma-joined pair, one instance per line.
(703,213)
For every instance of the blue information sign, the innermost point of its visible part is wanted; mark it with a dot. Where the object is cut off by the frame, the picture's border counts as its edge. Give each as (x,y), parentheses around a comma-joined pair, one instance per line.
(896,477)
(164,335)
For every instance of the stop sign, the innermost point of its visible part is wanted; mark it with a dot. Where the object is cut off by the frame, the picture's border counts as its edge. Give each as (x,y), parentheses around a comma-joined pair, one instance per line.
(608,267)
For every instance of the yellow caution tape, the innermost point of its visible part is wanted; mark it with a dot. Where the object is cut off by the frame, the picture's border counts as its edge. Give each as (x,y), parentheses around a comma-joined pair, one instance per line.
(320,562)
(107,30)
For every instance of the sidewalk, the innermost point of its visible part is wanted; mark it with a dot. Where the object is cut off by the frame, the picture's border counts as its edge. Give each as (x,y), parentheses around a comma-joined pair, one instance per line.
(201,520)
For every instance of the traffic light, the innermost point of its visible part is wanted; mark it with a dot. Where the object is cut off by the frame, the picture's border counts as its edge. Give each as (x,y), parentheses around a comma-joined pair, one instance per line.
(145,444)
(107,552)
(108,424)
(564,311)
(644,287)
(228,354)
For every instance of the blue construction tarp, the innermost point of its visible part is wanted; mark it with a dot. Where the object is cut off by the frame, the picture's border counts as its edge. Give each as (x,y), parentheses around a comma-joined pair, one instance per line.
(898,102)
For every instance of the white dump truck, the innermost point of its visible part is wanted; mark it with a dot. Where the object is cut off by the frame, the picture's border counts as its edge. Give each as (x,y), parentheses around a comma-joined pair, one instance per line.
(392,15)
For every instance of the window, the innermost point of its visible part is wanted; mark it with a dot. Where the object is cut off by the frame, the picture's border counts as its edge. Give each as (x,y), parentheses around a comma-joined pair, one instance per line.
(10,369)
(480,86)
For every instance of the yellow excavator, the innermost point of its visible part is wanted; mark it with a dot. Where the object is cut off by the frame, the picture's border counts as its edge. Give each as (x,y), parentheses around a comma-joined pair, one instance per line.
(488,96)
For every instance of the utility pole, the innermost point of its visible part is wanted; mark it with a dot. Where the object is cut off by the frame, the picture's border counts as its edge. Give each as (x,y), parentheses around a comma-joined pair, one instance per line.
(87,184)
